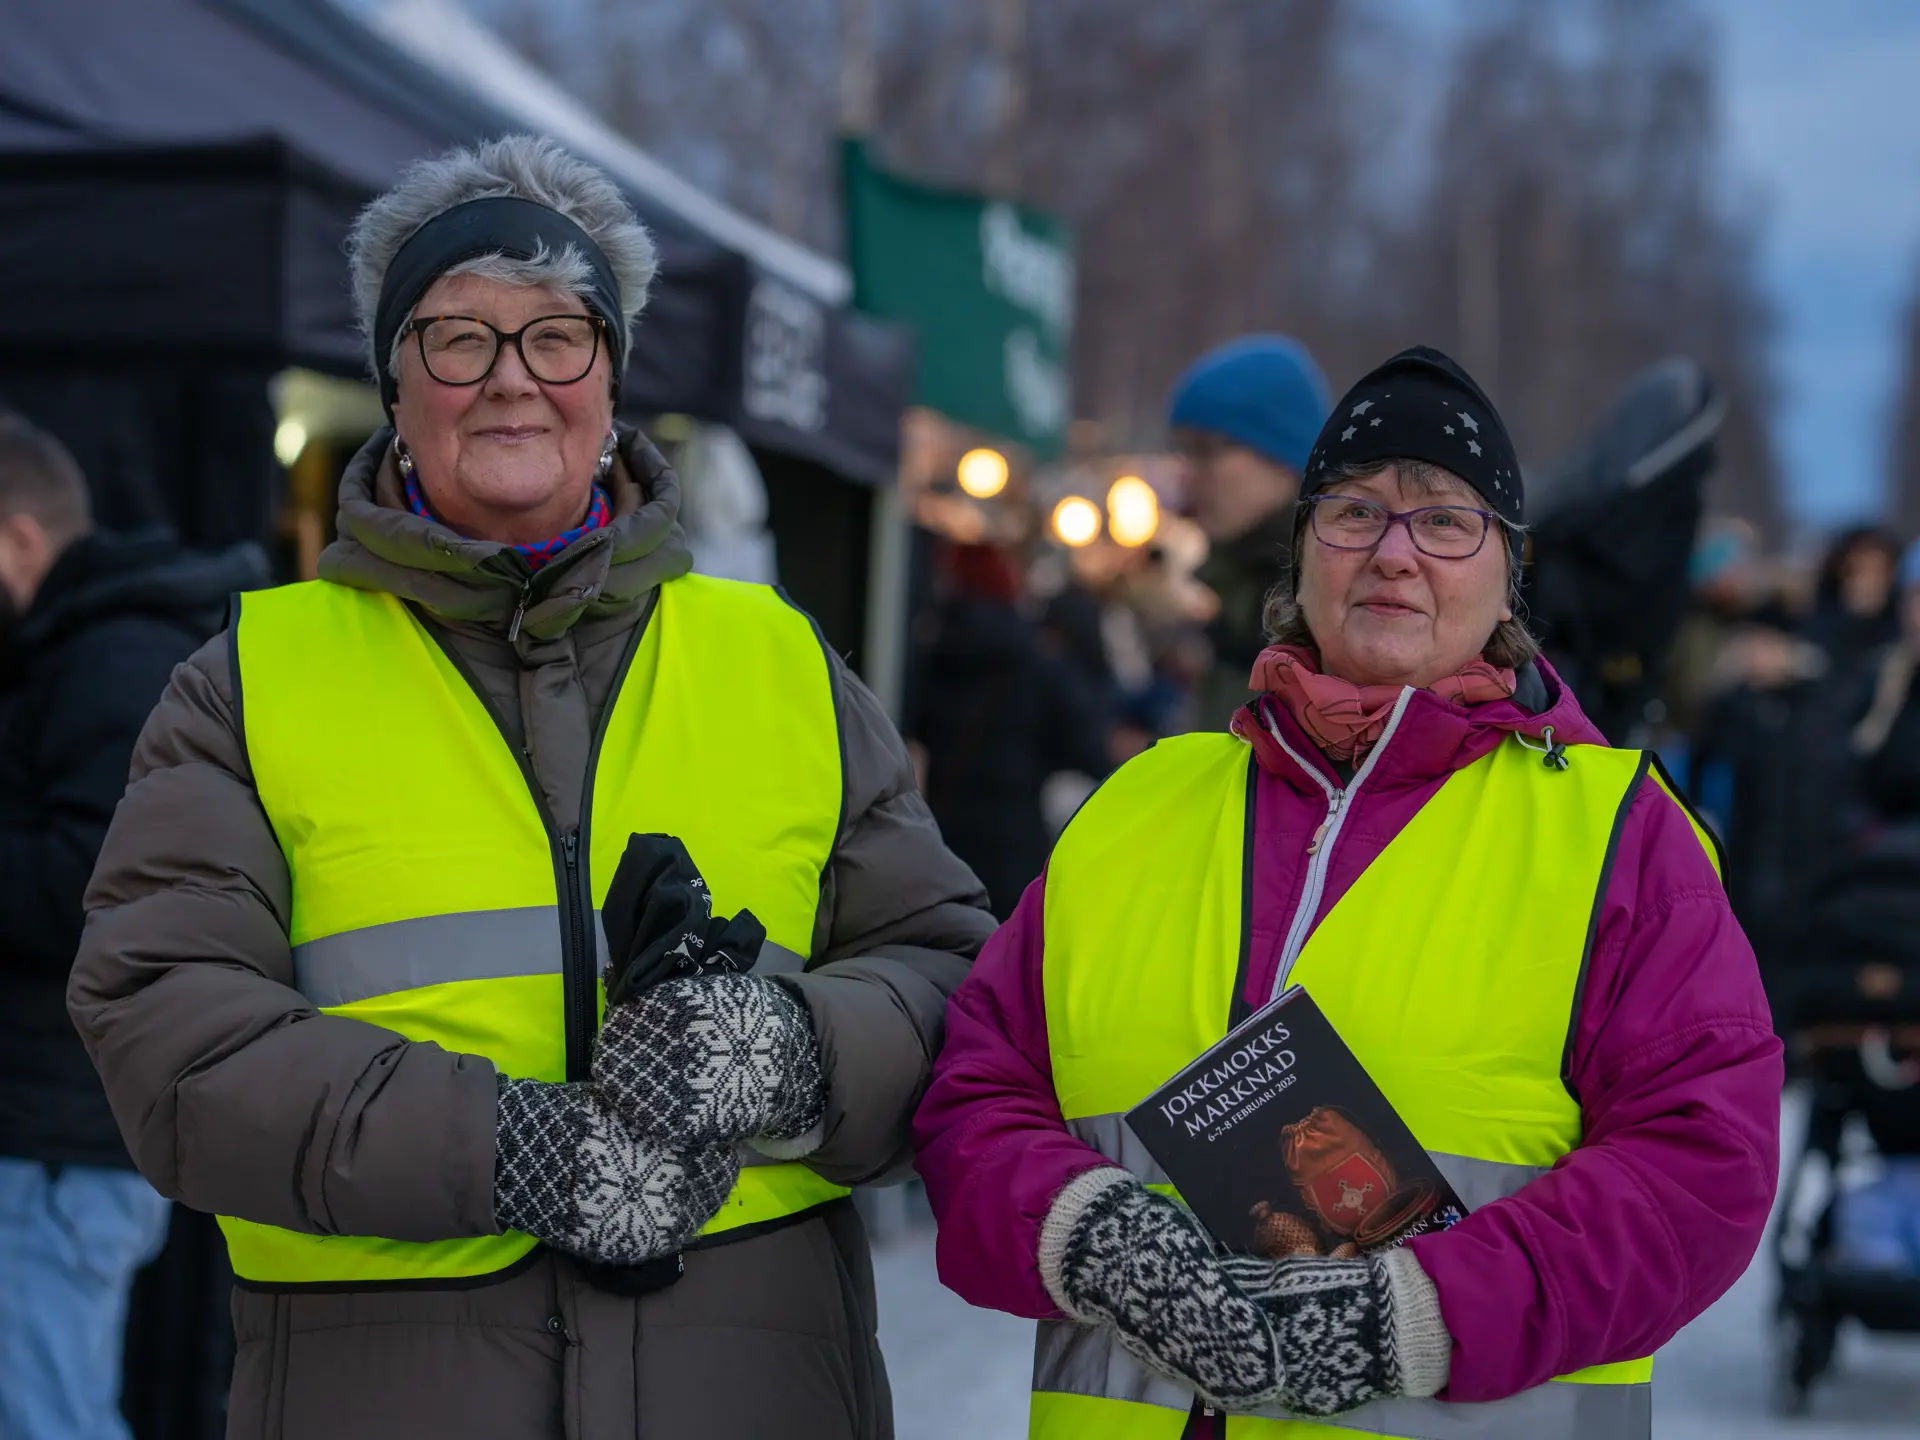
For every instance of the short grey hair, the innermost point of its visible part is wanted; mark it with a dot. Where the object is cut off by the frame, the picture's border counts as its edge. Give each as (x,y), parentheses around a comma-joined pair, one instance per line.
(1511,646)
(39,477)
(529,167)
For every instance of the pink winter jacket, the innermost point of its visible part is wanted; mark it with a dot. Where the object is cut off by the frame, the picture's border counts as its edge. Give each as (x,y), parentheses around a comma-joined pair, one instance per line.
(1674,1062)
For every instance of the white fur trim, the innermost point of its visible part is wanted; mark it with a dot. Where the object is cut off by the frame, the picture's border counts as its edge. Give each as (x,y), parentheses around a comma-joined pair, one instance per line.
(1419,1330)
(1063,1217)
(797,1148)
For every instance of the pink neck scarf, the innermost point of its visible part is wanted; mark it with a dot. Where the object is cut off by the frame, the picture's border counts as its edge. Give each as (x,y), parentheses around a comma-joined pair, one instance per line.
(1345,719)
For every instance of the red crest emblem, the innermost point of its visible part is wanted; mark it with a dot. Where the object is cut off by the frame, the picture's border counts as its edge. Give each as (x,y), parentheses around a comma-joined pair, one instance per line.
(1346,1195)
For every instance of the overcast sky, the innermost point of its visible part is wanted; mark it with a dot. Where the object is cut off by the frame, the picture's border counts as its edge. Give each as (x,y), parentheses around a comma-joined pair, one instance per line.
(1821,112)
(1823,118)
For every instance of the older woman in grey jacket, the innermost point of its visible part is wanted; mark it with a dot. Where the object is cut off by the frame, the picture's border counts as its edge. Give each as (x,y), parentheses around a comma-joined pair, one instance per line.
(340,974)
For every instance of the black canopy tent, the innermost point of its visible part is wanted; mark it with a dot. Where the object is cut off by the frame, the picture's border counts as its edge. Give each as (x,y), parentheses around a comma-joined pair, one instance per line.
(814,388)
(689,354)
(229,253)
(175,181)
(814,379)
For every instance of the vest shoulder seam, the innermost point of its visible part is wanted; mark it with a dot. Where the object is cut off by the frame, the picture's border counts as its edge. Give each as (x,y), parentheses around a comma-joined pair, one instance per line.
(234,685)
(1143,762)
(1665,783)
(1617,832)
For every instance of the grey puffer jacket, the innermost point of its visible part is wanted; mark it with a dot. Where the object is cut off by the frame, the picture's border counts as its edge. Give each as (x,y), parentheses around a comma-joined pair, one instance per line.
(236,1096)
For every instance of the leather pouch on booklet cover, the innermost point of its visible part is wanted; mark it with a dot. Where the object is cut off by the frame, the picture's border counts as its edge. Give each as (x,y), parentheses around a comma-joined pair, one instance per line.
(1282,1144)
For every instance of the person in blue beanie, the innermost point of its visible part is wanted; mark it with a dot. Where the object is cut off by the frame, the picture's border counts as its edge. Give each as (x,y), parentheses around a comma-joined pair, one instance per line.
(1244,416)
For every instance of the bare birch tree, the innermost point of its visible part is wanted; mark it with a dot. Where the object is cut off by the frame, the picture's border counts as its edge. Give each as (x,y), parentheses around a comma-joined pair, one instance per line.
(1561,218)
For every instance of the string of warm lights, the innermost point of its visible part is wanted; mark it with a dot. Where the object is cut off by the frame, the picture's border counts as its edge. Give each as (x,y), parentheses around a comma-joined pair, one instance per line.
(1133,511)
(983,473)
(1130,516)
(1076,521)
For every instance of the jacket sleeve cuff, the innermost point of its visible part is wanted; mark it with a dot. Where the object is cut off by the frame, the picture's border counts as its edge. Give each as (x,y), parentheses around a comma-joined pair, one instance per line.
(796,1148)
(1422,1344)
(1063,1218)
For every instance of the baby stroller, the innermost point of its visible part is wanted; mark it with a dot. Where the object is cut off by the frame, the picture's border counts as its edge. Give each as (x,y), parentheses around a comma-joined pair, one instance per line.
(1613,528)
(1852,1008)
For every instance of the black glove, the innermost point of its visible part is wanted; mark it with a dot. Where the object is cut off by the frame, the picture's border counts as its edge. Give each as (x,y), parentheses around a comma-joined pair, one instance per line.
(659,921)
(1310,1335)
(568,1171)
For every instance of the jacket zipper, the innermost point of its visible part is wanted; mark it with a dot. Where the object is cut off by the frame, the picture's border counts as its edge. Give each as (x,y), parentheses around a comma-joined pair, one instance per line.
(580,971)
(1320,847)
(580,967)
(583,960)
(519,612)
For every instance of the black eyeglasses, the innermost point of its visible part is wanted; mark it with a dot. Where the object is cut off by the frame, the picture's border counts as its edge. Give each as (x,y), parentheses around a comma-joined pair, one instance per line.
(1446,532)
(462,349)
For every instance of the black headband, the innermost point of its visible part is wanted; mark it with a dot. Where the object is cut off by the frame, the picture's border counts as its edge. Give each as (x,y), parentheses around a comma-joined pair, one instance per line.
(497,225)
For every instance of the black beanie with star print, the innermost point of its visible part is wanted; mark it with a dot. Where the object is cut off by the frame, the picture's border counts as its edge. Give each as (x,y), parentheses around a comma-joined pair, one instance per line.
(1421,405)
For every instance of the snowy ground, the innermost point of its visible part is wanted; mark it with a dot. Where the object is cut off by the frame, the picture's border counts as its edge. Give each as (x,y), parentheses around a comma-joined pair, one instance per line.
(961,1374)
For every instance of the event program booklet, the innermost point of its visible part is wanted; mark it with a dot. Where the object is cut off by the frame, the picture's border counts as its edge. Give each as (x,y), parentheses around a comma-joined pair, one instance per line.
(1281,1143)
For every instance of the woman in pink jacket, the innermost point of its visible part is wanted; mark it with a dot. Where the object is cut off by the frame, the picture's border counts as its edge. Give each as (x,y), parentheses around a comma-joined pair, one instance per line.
(1521,933)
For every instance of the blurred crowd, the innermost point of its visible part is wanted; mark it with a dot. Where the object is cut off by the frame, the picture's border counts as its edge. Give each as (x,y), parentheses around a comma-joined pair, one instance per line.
(1036,669)
(1796,727)
(1792,721)
(1032,681)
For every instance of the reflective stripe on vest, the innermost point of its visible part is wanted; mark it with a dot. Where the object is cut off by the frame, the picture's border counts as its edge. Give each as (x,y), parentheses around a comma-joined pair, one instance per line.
(425,880)
(410,954)
(1141,1406)
(1463,1024)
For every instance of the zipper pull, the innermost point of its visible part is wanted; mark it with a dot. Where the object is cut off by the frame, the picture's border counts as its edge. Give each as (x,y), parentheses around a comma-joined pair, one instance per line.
(519,612)
(1333,809)
(571,844)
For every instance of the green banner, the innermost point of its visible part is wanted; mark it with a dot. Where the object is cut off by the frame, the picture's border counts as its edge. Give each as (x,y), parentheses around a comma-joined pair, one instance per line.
(987,286)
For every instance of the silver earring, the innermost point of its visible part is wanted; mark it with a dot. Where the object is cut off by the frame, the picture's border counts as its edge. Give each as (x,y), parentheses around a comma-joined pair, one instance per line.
(403,457)
(606,457)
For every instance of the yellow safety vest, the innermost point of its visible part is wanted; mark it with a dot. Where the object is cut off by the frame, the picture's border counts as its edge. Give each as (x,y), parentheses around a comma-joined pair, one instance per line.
(1464,1025)
(432,893)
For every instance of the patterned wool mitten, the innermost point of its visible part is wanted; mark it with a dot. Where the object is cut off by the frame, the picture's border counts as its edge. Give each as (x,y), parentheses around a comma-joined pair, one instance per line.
(1114,1253)
(716,1058)
(1349,1331)
(567,1171)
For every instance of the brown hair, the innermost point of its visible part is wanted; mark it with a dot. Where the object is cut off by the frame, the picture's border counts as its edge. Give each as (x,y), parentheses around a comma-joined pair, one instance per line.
(39,478)
(1511,646)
